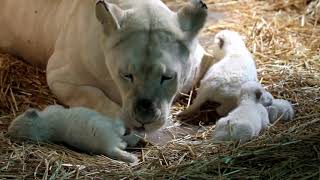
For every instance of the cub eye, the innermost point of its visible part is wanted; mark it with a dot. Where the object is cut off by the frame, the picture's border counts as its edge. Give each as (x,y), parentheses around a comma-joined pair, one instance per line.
(165,78)
(128,77)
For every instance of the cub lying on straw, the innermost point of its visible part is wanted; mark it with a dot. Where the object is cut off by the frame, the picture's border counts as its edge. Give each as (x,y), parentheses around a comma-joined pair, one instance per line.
(280,109)
(223,80)
(79,127)
(247,120)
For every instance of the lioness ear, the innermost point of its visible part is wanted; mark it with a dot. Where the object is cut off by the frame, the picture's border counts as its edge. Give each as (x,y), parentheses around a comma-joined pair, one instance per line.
(109,15)
(192,17)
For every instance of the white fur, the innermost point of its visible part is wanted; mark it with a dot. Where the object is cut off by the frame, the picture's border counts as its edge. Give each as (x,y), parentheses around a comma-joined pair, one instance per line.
(81,128)
(108,55)
(247,120)
(266,98)
(223,80)
(280,110)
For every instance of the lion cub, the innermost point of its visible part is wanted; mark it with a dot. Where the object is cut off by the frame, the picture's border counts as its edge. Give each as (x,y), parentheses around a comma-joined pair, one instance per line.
(78,127)
(223,80)
(280,109)
(247,120)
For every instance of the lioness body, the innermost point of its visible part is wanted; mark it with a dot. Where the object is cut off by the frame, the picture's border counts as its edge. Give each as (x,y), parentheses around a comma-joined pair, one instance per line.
(92,51)
(61,36)
(31,29)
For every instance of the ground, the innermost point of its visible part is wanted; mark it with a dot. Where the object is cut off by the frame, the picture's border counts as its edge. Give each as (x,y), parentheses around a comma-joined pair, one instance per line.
(283,36)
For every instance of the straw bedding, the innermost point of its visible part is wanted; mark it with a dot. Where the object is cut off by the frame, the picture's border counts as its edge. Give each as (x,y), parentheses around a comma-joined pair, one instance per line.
(284,37)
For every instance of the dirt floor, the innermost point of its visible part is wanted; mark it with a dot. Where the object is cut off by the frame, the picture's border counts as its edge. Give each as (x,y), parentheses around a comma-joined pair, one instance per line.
(283,36)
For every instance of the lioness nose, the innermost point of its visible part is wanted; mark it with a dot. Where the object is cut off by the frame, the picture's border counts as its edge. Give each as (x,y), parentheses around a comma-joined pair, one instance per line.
(145,106)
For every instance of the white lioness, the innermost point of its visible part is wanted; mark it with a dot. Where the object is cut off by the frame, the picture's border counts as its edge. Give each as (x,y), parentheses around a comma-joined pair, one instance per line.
(123,58)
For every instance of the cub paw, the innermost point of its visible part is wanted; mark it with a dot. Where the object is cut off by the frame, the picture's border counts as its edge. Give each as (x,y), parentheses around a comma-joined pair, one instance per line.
(133,139)
(124,156)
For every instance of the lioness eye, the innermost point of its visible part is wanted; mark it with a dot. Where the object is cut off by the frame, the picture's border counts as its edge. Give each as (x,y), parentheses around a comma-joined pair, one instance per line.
(128,77)
(165,78)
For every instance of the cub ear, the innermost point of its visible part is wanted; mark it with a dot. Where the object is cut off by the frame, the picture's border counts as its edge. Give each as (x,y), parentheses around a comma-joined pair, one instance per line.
(220,42)
(31,113)
(192,17)
(258,94)
(109,15)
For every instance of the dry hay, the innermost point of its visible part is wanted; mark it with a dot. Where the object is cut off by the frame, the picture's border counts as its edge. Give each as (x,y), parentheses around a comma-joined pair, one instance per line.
(283,35)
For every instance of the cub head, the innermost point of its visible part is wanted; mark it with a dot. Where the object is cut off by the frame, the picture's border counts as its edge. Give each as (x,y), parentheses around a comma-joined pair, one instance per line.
(22,126)
(225,41)
(266,99)
(254,91)
(147,50)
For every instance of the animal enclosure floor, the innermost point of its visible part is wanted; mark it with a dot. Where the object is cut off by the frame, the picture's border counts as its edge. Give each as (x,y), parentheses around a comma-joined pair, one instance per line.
(284,37)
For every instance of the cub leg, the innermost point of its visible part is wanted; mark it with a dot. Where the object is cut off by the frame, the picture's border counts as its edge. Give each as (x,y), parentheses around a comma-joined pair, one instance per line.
(119,154)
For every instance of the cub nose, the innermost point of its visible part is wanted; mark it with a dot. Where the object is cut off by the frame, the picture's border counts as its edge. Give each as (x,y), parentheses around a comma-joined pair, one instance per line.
(145,106)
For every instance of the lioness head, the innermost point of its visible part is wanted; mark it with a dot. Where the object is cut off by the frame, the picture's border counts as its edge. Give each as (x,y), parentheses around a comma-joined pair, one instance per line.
(147,49)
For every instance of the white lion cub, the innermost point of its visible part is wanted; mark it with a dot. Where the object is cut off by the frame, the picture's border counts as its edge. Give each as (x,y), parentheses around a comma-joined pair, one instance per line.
(247,120)
(79,127)
(280,109)
(223,80)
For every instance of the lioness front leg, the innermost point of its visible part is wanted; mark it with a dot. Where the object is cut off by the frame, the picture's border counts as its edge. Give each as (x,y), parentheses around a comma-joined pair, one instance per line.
(86,96)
